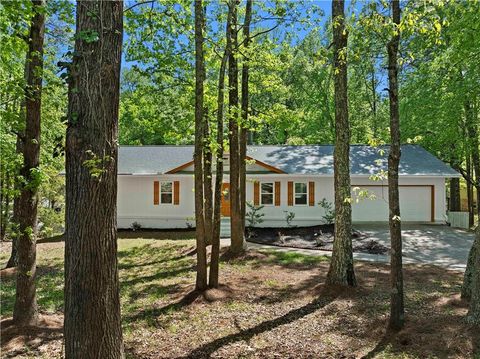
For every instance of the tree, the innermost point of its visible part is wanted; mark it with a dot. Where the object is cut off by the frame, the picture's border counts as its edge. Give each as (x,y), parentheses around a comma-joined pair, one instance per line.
(397,311)
(244,122)
(473,315)
(25,311)
(201,281)
(237,237)
(341,266)
(215,255)
(92,325)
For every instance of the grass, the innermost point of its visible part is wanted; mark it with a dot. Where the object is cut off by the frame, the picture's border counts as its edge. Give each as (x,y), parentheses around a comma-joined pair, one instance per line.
(271,304)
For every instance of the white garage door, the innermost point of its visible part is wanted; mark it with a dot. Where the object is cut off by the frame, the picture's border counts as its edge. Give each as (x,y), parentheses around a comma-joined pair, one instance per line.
(415,204)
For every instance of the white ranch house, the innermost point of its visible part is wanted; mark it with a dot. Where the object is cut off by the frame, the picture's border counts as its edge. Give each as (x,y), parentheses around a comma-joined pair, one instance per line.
(155,184)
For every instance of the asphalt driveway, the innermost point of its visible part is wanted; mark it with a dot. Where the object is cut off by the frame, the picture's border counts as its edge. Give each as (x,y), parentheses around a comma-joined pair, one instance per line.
(439,245)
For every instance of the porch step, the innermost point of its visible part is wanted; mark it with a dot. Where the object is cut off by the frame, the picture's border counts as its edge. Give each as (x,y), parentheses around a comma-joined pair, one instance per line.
(225,227)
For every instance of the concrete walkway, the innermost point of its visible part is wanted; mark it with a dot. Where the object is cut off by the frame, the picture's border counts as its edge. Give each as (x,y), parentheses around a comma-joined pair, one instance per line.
(422,244)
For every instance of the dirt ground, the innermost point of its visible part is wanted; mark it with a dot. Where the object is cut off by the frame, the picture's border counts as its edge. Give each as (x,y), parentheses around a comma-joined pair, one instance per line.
(271,305)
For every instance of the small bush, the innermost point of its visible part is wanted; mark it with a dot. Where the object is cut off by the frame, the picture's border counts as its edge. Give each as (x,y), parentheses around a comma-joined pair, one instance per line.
(136,226)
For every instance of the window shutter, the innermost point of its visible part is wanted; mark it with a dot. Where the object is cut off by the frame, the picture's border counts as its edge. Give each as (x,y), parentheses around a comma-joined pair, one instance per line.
(311,193)
(290,193)
(156,192)
(277,193)
(176,192)
(256,193)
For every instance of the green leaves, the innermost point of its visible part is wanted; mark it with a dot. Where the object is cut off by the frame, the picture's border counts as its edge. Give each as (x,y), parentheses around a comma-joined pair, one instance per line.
(88,36)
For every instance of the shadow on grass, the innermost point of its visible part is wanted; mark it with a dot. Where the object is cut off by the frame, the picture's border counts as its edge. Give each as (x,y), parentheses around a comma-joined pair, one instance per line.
(150,313)
(26,340)
(49,283)
(206,350)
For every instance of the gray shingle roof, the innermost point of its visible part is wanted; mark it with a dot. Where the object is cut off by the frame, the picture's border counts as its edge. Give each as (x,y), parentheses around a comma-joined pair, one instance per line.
(309,159)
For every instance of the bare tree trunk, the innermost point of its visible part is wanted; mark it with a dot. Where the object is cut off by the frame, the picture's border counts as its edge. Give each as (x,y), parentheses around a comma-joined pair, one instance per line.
(92,325)
(454,202)
(473,315)
(471,271)
(237,237)
(215,256)
(341,266)
(471,212)
(4,203)
(25,311)
(473,135)
(207,182)
(245,126)
(397,311)
(201,281)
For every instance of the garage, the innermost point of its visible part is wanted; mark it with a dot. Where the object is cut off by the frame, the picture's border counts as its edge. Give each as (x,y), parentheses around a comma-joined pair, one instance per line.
(416,204)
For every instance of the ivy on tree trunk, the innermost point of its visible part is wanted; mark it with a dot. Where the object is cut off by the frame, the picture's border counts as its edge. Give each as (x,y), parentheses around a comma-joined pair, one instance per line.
(25,311)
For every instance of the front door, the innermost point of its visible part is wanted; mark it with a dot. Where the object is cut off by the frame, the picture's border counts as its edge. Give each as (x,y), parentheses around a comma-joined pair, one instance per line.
(225,204)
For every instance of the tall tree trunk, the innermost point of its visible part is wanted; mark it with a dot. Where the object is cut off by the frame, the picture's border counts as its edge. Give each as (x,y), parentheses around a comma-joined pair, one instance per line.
(473,315)
(341,266)
(471,271)
(397,311)
(454,201)
(473,136)
(201,281)
(237,237)
(244,107)
(25,311)
(4,203)
(92,326)
(207,181)
(471,212)
(215,256)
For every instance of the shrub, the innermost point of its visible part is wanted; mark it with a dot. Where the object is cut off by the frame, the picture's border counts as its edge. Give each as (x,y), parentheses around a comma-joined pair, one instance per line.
(136,226)
(329,215)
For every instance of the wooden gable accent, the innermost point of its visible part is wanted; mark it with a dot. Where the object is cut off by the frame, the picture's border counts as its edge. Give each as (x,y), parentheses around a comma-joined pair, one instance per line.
(248,158)
(265,165)
(179,168)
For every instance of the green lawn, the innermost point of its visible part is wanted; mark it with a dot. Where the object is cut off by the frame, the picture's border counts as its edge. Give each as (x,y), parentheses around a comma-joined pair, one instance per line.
(271,304)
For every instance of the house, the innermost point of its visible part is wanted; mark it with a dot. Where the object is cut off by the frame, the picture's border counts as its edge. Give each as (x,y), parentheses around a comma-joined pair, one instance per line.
(155,184)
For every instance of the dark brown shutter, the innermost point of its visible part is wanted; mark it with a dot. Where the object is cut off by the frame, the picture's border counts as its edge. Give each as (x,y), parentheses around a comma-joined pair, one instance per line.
(290,193)
(256,193)
(156,192)
(277,193)
(176,192)
(311,193)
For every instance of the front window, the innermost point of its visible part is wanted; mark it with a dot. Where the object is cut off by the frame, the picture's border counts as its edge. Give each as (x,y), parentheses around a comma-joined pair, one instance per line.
(301,193)
(166,192)
(266,193)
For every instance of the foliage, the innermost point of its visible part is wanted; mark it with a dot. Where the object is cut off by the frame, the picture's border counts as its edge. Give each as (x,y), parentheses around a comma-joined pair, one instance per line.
(329,211)
(136,226)
(253,216)
(289,217)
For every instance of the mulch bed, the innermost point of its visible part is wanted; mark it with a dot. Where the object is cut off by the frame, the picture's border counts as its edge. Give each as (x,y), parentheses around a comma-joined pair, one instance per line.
(318,237)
